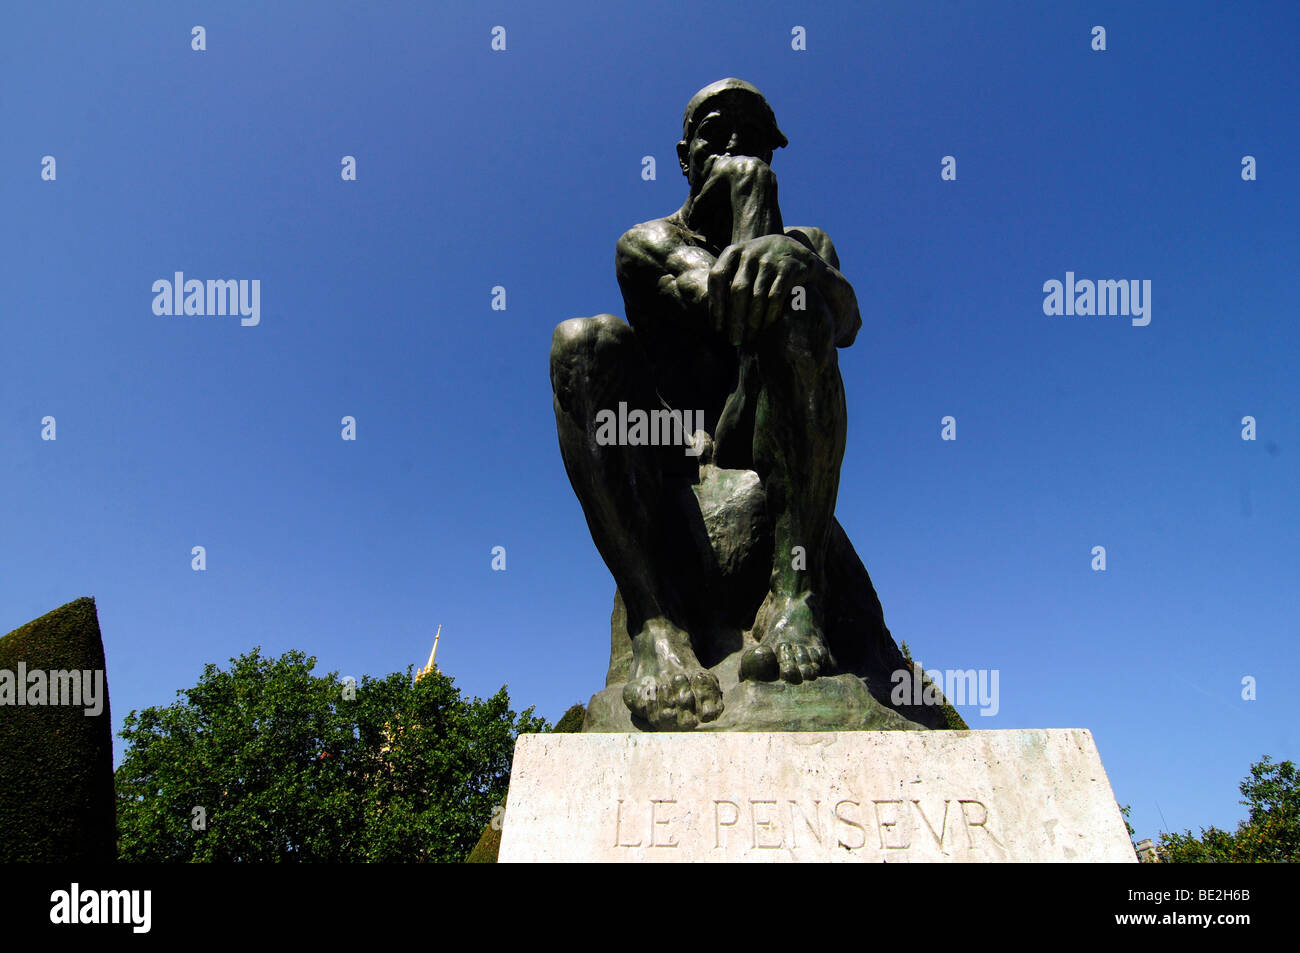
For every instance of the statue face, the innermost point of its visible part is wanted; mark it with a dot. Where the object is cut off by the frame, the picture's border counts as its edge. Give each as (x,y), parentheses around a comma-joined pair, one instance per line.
(732,124)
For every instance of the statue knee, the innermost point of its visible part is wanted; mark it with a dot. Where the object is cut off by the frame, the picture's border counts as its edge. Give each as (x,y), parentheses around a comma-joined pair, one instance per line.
(581,347)
(585,334)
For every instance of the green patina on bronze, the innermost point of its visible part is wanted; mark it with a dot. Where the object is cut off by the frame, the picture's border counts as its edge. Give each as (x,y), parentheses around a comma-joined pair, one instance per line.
(741,603)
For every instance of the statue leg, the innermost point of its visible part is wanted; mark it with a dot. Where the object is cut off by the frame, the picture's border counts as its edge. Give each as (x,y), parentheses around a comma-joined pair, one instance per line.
(638,504)
(799,435)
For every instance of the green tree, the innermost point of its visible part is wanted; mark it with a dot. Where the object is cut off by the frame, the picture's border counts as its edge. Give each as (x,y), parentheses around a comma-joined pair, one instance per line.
(1126,810)
(1269,834)
(268,762)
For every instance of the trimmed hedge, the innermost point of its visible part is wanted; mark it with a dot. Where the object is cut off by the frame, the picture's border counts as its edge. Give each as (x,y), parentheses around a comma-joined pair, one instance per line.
(56,762)
(570,722)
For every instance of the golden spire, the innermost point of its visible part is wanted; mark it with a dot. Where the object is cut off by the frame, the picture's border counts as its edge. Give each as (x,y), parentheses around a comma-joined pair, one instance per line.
(432,655)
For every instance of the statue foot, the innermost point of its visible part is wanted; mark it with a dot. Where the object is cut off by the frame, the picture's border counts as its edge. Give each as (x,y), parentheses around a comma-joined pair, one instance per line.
(791,645)
(668,688)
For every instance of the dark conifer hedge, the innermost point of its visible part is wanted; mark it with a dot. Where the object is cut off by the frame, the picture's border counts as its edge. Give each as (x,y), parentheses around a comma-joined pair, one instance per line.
(56,762)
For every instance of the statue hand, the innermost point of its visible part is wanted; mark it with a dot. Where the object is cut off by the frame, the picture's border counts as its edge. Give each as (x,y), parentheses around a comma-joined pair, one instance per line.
(750,284)
(749,186)
(739,168)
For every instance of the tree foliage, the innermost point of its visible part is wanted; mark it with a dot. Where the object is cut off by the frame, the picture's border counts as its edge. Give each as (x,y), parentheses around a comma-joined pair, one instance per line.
(1269,834)
(268,762)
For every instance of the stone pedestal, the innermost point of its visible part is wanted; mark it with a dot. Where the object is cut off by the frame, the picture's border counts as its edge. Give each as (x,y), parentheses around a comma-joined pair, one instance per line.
(891,796)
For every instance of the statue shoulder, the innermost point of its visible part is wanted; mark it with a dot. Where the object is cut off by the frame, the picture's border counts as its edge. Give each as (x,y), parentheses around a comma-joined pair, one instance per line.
(648,243)
(659,232)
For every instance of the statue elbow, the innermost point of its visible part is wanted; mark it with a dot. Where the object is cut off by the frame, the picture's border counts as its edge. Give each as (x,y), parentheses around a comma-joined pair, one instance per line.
(850,333)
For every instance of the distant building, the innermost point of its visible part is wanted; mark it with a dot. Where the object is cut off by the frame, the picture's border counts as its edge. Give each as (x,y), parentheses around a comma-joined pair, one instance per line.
(429,666)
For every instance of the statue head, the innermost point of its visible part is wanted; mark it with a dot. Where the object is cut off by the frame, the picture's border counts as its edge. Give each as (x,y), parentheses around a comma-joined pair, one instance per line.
(729,117)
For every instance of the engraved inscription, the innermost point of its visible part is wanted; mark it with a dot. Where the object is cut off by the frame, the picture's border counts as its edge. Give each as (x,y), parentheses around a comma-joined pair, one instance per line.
(811,820)
(886,828)
(656,823)
(886,820)
(618,828)
(719,823)
(848,816)
(765,826)
(943,824)
(982,812)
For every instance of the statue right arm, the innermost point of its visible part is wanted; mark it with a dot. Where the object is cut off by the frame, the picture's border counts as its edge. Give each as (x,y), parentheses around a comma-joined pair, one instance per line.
(659,271)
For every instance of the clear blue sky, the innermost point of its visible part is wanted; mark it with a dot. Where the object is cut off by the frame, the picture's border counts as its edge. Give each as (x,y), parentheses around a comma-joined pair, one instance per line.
(522,169)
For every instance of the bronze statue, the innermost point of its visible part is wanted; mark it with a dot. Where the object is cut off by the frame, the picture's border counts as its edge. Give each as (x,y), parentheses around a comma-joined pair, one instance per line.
(732,572)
